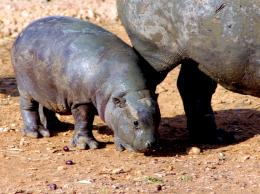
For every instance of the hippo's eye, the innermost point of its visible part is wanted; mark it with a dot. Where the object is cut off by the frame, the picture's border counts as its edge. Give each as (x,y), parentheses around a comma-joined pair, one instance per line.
(136,123)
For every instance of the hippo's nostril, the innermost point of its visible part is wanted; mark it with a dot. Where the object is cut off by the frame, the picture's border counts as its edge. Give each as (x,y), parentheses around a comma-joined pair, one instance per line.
(148,145)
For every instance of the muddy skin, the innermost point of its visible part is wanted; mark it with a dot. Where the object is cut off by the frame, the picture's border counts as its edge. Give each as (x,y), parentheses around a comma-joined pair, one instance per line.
(215,41)
(68,66)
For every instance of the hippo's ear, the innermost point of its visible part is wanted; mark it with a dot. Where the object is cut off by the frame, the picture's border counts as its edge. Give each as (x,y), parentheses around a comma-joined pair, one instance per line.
(119,102)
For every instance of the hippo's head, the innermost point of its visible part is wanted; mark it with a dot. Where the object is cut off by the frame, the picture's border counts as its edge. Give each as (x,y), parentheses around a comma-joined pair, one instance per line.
(134,117)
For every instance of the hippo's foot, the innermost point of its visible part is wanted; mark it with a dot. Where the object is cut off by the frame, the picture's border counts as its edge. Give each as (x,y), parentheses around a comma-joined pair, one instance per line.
(120,146)
(82,142)
(216,137)
(36,132)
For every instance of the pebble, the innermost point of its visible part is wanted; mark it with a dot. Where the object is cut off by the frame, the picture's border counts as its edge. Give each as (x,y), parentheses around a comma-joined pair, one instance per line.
(221,156)
(4,129)
(86,181)
(115,187)
(159,187)
(160,174)
(66,148)
(90,14)
(65,133)
(60,168)
(118,171)
(19,192)
(246,157)
(69,162)
(13,126)
(193,151)
(52,186)
(247,102)
(22,142)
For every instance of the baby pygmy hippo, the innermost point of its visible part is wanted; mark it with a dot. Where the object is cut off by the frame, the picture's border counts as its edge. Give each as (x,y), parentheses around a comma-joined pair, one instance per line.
(69,66)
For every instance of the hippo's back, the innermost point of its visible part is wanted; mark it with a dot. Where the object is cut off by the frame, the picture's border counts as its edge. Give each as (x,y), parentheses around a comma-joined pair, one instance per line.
(223,37)
(60,60)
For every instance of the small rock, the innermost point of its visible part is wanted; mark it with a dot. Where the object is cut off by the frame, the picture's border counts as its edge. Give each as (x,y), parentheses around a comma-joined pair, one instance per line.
(118,171)
(65,133)
(32,168)
(20,192)
(24,14)
(247,102)
(90,14)
(159,187)
(69,162)
(52,186)
(246,157)
(221,156)
(160,174)
(22,142)
(115,187)
(13,126)
(49,149)
(86,181)
(66,148)
(60,168)
(3,129)
(193,151)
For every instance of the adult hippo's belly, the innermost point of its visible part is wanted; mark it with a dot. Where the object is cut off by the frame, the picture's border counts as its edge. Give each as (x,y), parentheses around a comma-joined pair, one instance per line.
(222,36)
(216,41)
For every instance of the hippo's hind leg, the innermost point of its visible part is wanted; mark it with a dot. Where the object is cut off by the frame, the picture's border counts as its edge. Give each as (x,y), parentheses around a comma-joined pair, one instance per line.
(49,119)
(32,124)
(196,90)
(83,136)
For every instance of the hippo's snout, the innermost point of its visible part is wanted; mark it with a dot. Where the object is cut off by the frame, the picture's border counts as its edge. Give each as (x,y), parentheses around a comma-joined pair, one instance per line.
(145,146)
(139,145)
(150,145)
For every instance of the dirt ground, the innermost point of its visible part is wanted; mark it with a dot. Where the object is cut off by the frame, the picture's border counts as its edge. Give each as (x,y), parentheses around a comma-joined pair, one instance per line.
(35,165)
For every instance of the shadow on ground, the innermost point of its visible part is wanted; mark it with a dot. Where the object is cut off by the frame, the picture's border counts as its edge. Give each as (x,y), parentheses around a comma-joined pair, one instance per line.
(174,139)
(243,123)
(8,86)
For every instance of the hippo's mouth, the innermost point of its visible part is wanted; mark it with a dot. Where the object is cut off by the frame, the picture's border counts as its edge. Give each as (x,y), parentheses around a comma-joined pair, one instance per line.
(121,146)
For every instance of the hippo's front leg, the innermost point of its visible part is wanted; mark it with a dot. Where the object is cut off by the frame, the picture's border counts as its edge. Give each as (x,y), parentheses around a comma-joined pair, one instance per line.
(196,90)
(83,136)
(33,127)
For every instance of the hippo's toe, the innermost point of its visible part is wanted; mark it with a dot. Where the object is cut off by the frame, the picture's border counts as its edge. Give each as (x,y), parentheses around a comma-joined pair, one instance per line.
(83,142)
(119,146)
(36,132)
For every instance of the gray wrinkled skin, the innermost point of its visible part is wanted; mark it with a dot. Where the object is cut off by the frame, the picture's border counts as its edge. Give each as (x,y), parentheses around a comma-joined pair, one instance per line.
(222,36)
(69,66)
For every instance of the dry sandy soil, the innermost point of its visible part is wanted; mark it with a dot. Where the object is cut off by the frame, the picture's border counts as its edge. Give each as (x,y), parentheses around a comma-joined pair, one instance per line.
(35,165)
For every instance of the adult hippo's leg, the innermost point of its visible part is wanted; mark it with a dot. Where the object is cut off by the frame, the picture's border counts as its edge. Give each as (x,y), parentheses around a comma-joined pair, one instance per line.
(83,136)
(196,90)
(33,127)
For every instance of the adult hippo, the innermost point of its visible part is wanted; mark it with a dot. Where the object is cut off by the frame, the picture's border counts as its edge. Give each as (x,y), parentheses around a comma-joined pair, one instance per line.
(216,41)
(69,66)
